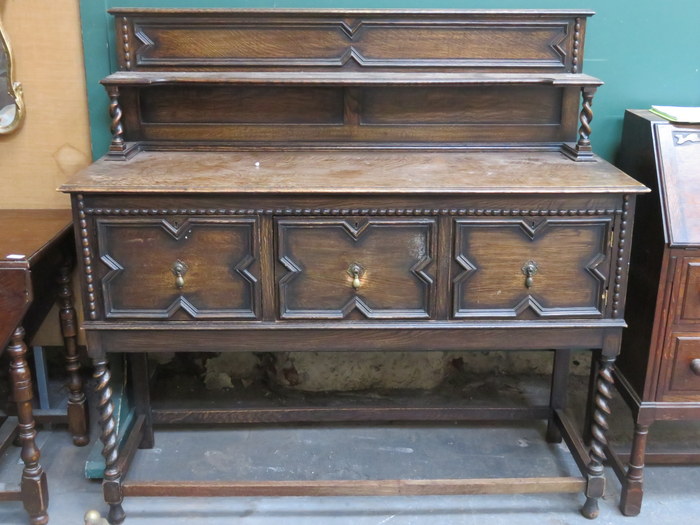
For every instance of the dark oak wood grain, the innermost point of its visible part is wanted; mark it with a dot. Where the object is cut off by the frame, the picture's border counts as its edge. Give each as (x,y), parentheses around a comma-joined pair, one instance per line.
(392,180)
(488,40)
(382,78)
(370,172)
(390,487)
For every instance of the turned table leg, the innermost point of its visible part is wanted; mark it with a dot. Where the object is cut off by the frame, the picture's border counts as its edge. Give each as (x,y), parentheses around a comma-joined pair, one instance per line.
(111,483)
(35,495)
(77,410)
(595,486)
(633,486)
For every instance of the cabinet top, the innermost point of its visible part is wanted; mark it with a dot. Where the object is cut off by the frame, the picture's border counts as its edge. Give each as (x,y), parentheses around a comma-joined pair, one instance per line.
(352,172)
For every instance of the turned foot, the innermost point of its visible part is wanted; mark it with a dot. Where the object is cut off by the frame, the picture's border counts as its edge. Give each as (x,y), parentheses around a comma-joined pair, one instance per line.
(633,484)
(631,501)
(116,513)
(590,508)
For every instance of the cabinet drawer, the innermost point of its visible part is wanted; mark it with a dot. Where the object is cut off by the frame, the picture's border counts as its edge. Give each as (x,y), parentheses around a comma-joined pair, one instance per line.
(685,365)
(375,268)
(689,293)
(202,268)
(531,267)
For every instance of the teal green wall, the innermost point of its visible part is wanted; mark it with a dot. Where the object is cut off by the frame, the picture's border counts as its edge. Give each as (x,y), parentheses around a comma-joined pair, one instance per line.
(646,51)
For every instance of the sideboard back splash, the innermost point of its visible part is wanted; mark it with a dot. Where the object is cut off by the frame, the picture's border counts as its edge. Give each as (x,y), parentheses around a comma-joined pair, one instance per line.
(296,79)
(210,39)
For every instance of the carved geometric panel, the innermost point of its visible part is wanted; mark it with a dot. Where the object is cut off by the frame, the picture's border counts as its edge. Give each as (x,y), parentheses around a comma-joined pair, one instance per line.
(161,268)
(531,267)
(331,40)
(392,258)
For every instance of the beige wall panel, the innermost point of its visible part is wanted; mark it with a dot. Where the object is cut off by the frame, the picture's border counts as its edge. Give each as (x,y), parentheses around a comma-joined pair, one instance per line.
(54,141)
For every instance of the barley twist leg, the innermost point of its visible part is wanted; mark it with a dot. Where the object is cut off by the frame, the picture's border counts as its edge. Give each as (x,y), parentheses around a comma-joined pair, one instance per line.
(111,483)
(599,427)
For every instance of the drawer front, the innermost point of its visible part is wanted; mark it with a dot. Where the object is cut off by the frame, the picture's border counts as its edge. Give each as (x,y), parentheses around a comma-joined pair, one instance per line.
(375,268)
(684,366)
(202,268)
(531,267)
(689,294)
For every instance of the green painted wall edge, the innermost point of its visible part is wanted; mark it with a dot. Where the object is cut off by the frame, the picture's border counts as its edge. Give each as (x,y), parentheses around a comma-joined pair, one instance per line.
(645,51)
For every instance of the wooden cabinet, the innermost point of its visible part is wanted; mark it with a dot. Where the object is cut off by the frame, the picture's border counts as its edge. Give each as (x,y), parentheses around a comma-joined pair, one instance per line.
(659,368)
(352,180)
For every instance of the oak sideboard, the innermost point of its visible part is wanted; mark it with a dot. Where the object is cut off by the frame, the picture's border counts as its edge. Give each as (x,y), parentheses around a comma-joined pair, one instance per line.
(325,180)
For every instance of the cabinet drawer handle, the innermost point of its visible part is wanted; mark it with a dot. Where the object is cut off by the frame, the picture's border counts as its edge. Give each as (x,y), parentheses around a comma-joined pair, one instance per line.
(356,271)
(695,366)
(529,270)
(179,270)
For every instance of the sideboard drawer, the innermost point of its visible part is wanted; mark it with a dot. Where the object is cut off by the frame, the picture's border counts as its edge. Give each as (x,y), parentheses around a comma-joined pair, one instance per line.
(160,268)
(685,365)
(689,296)
(331,267)
(531,267)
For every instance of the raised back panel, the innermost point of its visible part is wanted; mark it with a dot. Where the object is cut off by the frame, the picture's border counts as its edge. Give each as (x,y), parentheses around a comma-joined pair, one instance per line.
(233,79)
(543,41)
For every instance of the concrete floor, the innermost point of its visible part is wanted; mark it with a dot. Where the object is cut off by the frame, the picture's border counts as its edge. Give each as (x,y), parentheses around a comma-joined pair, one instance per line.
(364,452)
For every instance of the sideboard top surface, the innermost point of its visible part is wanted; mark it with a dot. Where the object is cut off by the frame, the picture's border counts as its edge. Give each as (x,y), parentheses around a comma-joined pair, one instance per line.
(349,172)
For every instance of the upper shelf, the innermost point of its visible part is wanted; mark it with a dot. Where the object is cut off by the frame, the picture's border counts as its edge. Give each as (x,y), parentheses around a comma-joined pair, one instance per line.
(307,79)
(369,40)
(345,78)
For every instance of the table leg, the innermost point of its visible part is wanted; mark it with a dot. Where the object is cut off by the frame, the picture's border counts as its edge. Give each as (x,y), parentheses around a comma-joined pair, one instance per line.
(558,391)
(142,397)
(590,401)
(111,483)
(633,485)
(35,495)
(77,410)
(595,486)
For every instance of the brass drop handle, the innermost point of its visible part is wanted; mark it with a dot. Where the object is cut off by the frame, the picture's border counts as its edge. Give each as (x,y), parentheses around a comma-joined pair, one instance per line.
(356,271)
(529,270)
(179,269)
(695,366)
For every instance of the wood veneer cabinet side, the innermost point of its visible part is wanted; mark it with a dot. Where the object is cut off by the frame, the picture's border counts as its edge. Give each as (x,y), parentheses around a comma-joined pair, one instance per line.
(658,371)
(646,292)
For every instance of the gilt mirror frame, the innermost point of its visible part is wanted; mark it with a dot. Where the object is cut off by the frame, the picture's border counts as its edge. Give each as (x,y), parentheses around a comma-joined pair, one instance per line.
(11,100)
